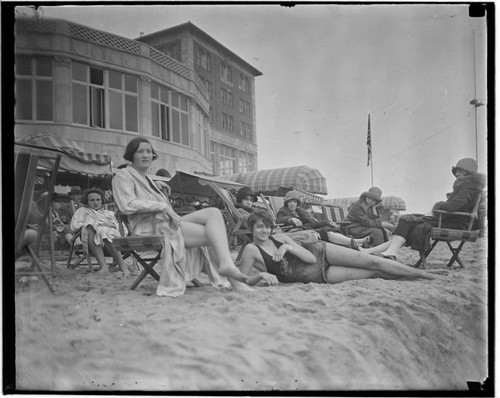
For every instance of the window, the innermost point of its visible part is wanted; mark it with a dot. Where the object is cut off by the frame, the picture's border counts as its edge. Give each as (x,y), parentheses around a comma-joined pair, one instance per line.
(104,98)
(203,59)
(207,84)
(244,107)
(200,136)
(244,83)
(245,162)
(227,122)
(172,50)
(246,130)
(226,97)
(34,89)
(213,157)
(169,111)
(227,160)
(226,73)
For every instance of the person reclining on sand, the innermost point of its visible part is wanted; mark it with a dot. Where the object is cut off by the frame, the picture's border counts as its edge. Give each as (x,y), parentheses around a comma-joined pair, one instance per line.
(415,230)
(135,192)
(280,259)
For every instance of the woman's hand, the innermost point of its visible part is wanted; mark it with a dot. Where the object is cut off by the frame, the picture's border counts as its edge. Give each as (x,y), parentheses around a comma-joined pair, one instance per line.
(175,219)
(278,256)
(388,225)
(268,279)
(296,222)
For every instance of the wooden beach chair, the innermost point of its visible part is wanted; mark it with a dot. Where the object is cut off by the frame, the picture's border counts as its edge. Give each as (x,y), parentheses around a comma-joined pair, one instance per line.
(237,234)
(25,166)
(145,249)
(448,235)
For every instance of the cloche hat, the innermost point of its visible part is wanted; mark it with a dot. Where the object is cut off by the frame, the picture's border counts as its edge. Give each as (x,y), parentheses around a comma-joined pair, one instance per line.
(243,193)
(374,193)
(291,195)
(467,164)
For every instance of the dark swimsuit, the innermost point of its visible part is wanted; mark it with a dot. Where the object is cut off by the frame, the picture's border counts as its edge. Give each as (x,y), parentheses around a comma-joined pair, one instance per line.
(294,269)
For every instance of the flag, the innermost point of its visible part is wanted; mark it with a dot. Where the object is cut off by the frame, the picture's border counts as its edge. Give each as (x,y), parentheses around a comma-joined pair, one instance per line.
(369,142)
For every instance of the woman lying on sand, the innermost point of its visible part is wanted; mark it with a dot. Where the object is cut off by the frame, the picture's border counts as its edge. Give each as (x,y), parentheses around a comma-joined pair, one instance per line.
(279,258)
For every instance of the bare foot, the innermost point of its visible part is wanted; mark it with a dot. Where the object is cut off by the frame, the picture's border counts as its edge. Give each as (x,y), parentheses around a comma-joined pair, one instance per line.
(437,271)
(240,286)
(231,272)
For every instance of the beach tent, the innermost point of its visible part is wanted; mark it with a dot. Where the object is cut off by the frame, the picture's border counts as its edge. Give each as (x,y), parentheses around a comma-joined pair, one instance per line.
(197,185)
(276,182)
(77,167)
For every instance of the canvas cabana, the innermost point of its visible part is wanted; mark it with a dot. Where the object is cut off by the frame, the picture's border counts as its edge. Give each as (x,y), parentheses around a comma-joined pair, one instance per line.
(277,182)
(77,167)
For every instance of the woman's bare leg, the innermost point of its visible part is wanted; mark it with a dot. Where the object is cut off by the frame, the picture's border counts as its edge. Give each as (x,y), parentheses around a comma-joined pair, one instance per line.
(377,249)
(343,257)
(117,257)
(339,239)
(206,227)
(96,250)
(339,274)
(397,243)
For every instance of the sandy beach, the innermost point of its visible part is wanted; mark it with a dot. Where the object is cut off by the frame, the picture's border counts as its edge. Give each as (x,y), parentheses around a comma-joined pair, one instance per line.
(97,335)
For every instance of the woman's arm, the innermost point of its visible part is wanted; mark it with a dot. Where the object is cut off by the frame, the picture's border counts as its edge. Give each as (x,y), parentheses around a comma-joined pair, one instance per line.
(251,257)
(78,219)
(127,200)
(289,246)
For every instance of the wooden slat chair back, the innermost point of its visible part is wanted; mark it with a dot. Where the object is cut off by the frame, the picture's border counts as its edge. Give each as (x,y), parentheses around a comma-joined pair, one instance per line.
(140,247)
(338,214)
(439,234)
(235,219)
(25,167)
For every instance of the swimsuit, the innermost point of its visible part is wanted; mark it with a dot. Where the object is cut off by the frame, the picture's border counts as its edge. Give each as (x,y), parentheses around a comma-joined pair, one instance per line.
(294,269)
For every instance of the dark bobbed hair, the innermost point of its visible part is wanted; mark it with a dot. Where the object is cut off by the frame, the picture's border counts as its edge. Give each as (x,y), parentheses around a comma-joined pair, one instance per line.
(163,173)
(260,215)
(132,147)
(86,194)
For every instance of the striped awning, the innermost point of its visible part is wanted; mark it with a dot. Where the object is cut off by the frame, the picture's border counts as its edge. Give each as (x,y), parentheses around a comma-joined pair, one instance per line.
(196,185)
(389,202)
(267,181)
(68,146)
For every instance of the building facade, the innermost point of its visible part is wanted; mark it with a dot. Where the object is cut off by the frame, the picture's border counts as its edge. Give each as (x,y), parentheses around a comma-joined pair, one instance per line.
(231,90)
(101,90)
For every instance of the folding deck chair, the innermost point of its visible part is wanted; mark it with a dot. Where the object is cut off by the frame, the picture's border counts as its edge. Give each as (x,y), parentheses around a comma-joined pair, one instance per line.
(25,166)
(233,217)
(140,248)
(337,214)
(448,235)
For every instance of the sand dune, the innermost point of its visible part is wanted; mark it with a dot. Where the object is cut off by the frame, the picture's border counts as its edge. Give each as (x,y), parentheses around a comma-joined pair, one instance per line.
(96,335)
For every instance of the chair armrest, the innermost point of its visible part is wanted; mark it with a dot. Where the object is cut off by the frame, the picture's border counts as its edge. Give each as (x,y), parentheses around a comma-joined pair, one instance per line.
(457,213)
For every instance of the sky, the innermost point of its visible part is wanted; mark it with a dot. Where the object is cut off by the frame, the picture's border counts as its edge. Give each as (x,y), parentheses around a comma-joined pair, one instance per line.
(413,68)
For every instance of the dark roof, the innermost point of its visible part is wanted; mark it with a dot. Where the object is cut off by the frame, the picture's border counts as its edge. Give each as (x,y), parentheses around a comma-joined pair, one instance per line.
(193,28)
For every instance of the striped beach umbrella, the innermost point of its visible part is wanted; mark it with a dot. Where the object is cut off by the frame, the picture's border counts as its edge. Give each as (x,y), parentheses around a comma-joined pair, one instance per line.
(303,178)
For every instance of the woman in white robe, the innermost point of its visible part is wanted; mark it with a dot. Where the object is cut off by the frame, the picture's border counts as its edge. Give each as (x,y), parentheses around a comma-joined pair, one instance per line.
(134,193)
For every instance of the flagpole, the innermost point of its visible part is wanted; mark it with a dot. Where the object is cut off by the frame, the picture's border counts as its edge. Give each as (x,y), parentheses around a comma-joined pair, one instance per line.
(369,147)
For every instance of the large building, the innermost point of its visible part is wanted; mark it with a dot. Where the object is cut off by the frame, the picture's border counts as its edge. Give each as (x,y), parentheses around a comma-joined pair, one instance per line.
(189,95)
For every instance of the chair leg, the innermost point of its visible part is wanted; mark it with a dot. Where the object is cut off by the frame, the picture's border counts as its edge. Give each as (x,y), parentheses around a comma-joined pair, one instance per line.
(424,255)
(456,252)
(148,269)
(42,272)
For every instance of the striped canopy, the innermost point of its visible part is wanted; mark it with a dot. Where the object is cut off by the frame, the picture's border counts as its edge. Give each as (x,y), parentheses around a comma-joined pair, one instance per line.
(270,181)
(68,146)
(389,202)
(76,167)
